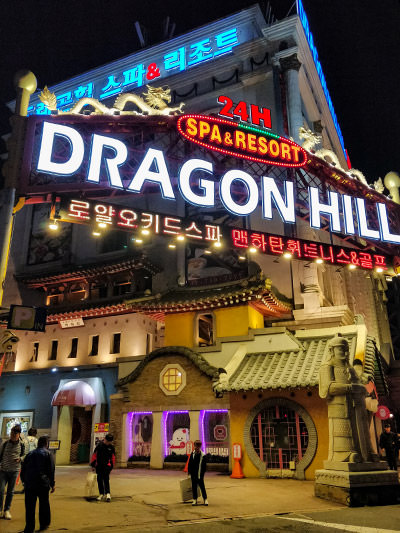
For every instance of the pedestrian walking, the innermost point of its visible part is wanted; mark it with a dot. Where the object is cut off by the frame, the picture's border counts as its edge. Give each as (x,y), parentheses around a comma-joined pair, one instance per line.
(32,439)
(103,461)
(11,454)
(197,468)
(37,474)
(389,442)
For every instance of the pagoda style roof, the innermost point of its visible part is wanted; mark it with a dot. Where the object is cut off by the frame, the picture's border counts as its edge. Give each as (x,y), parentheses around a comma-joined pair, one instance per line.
(280,370)
(196,358)
(87,271)
(257,292)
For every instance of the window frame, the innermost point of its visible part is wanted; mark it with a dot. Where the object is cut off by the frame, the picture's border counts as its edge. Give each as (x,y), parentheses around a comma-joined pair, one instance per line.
(165,369)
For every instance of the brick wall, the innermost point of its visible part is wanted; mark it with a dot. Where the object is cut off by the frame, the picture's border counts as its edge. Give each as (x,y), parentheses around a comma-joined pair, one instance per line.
(146,395)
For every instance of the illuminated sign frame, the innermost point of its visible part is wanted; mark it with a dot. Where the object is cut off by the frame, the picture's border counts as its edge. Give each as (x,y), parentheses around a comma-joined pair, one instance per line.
(241,140)
(89,160)
(93,213)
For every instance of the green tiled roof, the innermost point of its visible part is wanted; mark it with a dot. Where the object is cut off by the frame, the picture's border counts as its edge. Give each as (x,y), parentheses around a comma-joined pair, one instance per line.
(279,370)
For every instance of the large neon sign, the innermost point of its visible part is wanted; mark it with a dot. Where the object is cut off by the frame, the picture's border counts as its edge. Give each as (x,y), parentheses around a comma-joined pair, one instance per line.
(112,216)
(99,159)
(142,68)
(241,140)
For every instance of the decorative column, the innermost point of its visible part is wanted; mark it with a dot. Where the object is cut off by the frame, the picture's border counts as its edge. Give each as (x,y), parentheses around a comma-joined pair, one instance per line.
(290,66)
(157,441)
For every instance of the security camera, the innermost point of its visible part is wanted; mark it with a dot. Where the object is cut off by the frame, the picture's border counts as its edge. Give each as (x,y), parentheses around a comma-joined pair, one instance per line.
(8,340)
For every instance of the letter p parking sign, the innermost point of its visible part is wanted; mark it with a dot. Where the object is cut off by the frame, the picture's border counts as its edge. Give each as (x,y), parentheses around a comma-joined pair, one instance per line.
(25,317)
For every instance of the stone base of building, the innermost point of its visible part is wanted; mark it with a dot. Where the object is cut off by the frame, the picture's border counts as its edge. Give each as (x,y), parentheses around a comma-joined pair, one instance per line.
(356,489)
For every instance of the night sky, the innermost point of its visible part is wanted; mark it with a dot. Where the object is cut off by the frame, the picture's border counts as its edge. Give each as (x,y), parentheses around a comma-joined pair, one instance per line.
(358,43)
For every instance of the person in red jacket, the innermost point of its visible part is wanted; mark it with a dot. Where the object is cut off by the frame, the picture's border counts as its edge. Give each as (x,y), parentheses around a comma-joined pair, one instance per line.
(103,461)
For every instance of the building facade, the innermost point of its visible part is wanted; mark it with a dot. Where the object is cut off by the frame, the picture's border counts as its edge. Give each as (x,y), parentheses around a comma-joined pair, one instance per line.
(223,342)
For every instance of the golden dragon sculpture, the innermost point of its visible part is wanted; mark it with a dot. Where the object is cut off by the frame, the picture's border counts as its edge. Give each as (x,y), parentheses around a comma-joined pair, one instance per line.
(155,102)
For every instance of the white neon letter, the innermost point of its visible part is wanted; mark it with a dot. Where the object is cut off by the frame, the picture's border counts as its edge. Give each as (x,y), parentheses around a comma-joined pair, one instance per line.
(363,229)
(348,214)
(112,163)
(331,209)
(208,198)
(285,208)
(160,175)
(71,165)
(226,197)
(384,225)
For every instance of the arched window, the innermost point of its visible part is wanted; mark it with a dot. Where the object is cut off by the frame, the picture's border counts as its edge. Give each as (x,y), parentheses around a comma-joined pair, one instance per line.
(205,329)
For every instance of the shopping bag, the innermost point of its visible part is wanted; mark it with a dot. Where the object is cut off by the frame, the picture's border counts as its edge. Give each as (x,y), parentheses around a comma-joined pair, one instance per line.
(186,489)
(91,485)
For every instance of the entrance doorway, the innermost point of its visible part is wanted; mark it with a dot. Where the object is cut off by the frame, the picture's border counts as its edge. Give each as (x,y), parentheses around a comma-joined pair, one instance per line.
(81,433)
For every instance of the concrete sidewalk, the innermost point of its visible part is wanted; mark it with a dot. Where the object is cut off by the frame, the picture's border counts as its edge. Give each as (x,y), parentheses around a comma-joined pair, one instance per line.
(143,499)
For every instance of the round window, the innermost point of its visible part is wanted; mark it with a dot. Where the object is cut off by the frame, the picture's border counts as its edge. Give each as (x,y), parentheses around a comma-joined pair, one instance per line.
(172,379)
(279,436)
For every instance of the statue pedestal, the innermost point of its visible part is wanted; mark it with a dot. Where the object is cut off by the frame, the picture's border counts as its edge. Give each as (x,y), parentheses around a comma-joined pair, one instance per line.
(357,484)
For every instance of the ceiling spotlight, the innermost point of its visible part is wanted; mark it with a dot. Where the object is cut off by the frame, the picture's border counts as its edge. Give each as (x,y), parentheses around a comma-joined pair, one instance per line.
(252,250)
(145,232)
(287,255)
(319,260)
(180,238)
(96,233)
(352,267)
(172,246)
(379,269)
(217,244)
(54,369)
(102,225)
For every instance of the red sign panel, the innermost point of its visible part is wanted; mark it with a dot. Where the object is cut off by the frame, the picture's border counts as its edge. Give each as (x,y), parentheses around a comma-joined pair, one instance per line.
(307,250)
(241,140)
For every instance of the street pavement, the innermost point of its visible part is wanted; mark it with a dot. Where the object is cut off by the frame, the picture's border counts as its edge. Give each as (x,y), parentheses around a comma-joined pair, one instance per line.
(149,501)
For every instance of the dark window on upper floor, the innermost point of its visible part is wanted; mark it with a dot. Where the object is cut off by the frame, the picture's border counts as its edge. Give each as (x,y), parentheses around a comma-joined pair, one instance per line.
(35,352)
(53,350)
(113,241)
(121,288)
(74,347)
(116,343)
(95,345)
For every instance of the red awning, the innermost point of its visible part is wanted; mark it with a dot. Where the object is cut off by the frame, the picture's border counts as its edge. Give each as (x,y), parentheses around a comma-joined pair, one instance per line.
(74,393)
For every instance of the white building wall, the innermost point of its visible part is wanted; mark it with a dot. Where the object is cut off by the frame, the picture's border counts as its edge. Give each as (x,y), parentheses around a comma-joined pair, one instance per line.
(133,328)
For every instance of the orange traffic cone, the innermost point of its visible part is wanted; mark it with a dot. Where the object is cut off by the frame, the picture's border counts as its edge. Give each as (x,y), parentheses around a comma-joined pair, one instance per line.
(237,472)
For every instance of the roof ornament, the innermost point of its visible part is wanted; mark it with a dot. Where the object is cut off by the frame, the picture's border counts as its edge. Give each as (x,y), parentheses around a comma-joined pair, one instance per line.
(392,183)
(311,139)
(155,102)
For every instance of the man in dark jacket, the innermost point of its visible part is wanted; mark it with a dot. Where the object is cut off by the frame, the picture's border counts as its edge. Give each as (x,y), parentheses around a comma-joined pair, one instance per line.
(197,468)
(103,460)
(389,442)
(37,474)
(12,452)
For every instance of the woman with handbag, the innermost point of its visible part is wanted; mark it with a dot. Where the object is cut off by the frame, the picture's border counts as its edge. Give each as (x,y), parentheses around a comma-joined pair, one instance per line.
(103,461)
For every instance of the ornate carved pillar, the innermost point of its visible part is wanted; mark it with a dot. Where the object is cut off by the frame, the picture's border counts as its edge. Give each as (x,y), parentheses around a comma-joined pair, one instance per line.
(290,66)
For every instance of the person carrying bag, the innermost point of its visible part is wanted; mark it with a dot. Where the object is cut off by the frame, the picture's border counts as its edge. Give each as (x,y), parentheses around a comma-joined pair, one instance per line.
(103,461)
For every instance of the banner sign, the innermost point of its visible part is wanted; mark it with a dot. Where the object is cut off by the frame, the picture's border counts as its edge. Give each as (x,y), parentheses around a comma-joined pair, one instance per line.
(111,216)
(75,156)
(148,66)
(122,218)
(307,250)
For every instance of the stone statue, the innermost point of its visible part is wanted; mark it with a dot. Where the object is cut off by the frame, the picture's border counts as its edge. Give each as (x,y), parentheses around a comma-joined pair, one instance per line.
(349,437)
